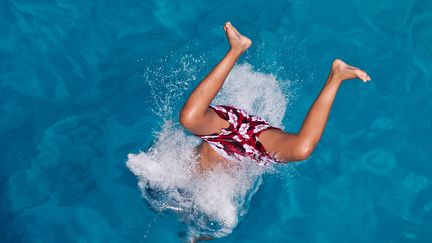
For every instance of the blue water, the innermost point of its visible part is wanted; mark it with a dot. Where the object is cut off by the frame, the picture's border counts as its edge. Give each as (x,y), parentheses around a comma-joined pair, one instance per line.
(75,101)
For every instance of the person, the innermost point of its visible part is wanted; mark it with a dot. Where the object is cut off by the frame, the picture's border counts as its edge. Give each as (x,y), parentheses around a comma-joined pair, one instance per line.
(230,133)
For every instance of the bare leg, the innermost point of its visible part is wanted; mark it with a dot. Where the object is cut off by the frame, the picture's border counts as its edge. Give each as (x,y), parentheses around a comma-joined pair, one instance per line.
(294,147)
(195,115)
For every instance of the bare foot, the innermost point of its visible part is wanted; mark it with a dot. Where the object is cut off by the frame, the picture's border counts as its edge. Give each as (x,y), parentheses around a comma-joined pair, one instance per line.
(237,41)
(343,71)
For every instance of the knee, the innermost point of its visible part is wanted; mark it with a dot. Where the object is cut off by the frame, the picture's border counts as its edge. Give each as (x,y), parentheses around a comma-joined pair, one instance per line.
(304,150)
(187,119)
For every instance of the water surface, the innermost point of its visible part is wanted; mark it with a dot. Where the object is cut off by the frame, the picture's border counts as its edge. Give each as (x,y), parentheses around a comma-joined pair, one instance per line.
(75,100)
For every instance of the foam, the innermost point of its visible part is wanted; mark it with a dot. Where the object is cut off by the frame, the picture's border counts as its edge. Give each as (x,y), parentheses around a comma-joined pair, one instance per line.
(213,202)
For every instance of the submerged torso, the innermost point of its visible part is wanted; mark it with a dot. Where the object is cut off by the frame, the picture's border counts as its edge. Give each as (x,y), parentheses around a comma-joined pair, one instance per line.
(208,157)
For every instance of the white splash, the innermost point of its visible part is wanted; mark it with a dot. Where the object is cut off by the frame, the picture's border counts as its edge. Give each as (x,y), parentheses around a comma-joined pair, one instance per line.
(259,94)
(213,202)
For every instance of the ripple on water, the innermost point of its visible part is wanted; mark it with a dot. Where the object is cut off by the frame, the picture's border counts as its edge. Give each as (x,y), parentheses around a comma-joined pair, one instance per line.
(399,197)
(379,162)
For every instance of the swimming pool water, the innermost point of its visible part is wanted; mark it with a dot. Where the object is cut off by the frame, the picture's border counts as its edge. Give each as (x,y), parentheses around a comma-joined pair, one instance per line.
(75,101)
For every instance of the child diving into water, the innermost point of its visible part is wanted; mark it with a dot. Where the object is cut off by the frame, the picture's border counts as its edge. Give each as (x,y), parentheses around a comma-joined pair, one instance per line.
(230,133)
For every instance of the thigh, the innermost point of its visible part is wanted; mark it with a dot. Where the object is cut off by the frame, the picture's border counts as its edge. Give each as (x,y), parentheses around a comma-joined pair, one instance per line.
(280,144)
(208,123)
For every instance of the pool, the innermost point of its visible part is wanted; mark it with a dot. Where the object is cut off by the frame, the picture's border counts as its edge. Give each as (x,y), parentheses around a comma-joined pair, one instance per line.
(83,84)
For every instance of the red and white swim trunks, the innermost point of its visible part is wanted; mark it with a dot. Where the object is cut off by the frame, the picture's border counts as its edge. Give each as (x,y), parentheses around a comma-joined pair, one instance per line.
(240,139)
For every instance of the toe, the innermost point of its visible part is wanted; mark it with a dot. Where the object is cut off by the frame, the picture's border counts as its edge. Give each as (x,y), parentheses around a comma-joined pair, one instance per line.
(361,74)
(236,31)
(368,77)
(233,28)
